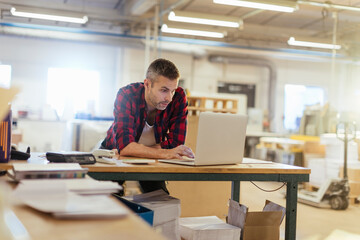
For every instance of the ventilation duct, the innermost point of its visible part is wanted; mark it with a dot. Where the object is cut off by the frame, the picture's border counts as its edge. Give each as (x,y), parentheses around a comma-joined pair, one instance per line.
(260,63)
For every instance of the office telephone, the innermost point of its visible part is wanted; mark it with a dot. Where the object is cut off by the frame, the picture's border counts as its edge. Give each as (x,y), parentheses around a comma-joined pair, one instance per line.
(71,157)
(15,154)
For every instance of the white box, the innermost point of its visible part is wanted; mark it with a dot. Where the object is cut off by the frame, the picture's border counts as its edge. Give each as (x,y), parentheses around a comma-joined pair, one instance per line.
(165,207)
(170,230)
(207,228)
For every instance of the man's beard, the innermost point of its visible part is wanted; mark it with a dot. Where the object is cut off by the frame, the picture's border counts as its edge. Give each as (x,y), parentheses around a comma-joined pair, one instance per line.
(158,105)
(162,105)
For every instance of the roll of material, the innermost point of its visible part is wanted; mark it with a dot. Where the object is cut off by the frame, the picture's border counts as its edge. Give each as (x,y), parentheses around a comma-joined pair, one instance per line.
(5,138)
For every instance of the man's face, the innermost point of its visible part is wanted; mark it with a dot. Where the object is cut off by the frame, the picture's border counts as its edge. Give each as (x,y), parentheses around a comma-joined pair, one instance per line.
(159,93)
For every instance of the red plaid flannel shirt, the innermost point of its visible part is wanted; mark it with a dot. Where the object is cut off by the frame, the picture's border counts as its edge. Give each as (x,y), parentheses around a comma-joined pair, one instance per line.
(130,115)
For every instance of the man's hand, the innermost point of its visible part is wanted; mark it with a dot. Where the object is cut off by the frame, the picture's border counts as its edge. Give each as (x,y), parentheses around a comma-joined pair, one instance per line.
(138,150)
(179,152)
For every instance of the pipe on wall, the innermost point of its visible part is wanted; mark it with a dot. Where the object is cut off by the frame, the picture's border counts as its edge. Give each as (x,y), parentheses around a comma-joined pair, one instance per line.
(261,62)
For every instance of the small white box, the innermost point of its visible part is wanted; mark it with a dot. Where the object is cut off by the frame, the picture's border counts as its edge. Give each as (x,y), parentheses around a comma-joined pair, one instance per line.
(170,229)
(166,208)
(207,228)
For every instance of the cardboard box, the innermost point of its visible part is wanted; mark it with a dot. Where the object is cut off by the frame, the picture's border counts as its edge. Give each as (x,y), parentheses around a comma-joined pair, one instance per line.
(358,143)
(207,228)
(353,173)
(314,147)
(354,189)
(166,208)
(309,156)
(194,194)
(263,225)
(166,211)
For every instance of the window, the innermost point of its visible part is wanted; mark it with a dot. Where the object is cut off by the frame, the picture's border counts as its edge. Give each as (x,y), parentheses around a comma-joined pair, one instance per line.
(297,97)
(72,91)
(5,76)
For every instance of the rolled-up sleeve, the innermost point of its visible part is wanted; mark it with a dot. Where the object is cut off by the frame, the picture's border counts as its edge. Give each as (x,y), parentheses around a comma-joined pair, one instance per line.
(123,128)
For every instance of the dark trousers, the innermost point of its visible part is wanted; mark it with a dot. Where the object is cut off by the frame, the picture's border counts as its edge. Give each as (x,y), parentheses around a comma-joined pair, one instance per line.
(149,186)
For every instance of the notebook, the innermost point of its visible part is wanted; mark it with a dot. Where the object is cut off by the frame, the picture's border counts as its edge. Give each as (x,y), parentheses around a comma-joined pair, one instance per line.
(220,140)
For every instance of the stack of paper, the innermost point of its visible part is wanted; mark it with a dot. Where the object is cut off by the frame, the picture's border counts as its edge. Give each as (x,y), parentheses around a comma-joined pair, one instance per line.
(58,198)
(166,211)
(53,170)
(209,228)
(83,186)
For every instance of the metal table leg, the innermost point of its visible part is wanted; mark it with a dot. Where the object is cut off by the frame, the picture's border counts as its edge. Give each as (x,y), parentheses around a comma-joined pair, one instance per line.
(291,205)
(235,191)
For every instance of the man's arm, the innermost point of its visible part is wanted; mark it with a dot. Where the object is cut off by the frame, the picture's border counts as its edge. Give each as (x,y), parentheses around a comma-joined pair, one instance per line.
(134,149)
(177,125)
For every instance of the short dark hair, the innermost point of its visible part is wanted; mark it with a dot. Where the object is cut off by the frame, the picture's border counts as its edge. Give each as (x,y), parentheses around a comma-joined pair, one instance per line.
(162,67)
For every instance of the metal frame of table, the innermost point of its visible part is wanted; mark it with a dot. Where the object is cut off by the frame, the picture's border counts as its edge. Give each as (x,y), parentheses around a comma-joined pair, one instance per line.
(291,180)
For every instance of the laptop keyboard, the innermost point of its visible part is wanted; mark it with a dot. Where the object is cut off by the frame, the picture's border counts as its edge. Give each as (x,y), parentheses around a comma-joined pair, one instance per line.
(186,159)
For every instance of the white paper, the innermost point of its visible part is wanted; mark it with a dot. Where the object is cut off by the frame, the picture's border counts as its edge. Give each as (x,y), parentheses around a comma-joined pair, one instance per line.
(46,167)
(170,230)
(82,186)
(54,197)
(207,228)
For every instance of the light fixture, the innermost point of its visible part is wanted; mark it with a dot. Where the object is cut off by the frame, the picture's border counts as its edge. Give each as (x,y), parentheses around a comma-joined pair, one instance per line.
(63,17)
(294,42)
(166,29)
(273,5)
(206,19)
(328,4)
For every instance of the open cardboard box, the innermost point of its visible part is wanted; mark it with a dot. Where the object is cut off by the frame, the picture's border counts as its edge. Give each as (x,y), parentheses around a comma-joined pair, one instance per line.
(263,225)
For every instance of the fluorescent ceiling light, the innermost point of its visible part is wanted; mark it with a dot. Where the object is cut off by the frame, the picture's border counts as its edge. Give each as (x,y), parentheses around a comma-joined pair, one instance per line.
(201,18)
(294,42)
(45,16)
(166,29)
(327,4)
(280,5)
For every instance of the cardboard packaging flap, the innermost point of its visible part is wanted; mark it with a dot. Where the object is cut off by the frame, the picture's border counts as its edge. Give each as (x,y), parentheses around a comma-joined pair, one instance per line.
(263,225)
(263,219)
(261,232)
(237,214)
(270,206)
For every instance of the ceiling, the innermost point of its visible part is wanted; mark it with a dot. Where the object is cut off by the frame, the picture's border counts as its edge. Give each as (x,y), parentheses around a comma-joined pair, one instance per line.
(129,19)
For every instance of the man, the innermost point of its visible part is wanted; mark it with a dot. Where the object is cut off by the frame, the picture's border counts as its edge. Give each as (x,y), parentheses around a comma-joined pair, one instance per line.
(151,119)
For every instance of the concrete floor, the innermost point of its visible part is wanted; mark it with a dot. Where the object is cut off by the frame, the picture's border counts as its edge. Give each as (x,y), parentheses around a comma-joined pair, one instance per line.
(312,223)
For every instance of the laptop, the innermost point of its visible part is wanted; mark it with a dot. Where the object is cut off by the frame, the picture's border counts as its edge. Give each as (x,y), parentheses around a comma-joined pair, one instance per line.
(220,140)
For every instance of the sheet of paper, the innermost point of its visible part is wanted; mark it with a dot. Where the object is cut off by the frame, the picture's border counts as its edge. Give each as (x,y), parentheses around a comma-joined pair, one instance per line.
(254,161)
(138,161)
(53,197)
(210,227)
(6,96)
(43,196)
(46,167)
(86,185)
